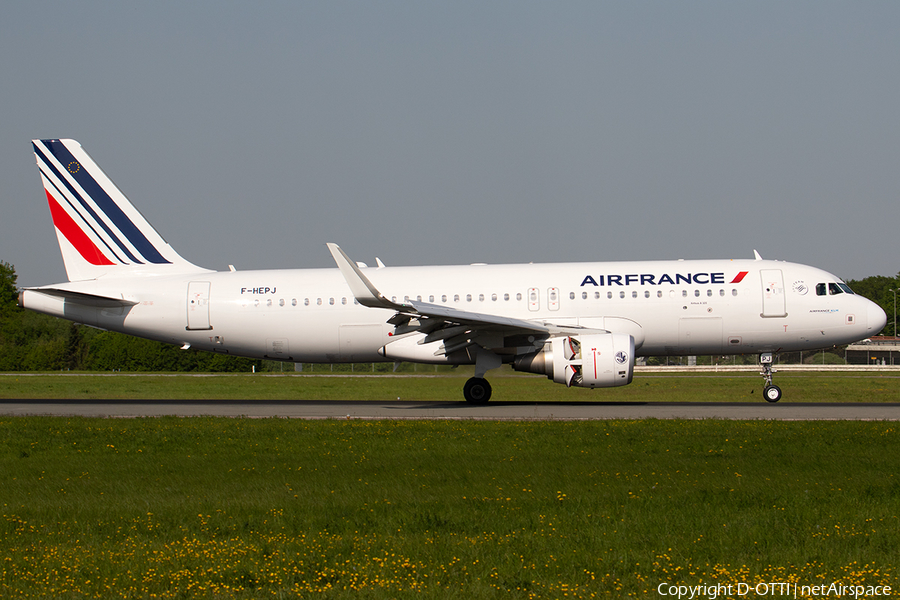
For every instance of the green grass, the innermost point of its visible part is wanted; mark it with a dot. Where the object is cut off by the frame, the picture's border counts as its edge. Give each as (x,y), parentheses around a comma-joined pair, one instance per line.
(244,508)
(647,387)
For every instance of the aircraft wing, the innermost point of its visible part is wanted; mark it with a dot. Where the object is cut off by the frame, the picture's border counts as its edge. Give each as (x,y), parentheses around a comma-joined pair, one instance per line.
(458,328)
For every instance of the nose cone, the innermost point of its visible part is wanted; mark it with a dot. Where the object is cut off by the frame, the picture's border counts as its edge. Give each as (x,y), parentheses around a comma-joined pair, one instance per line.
(875,318)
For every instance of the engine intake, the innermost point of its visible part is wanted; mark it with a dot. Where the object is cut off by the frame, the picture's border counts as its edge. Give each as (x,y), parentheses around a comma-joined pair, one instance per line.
(591,361)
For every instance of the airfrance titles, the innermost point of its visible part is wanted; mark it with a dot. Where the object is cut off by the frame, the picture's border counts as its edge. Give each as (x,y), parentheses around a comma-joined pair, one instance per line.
(660,279)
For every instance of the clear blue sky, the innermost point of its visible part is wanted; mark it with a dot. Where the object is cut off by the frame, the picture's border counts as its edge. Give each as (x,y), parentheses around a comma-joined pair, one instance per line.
(252,133)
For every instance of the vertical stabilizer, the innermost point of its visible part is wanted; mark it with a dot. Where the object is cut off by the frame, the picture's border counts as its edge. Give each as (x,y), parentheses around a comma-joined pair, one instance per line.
(99,231)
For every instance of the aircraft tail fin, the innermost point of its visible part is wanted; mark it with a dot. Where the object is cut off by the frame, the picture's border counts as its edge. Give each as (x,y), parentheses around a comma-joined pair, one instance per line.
(99,231)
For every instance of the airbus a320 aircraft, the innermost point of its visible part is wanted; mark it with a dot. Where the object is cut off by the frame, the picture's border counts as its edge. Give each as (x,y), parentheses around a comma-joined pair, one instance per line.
(580,324)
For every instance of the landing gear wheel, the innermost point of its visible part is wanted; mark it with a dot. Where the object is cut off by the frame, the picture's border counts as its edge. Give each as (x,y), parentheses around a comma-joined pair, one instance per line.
(477,390)
(771,392)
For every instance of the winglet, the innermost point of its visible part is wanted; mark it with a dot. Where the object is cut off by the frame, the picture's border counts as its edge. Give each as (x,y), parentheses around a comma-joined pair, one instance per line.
(365,293)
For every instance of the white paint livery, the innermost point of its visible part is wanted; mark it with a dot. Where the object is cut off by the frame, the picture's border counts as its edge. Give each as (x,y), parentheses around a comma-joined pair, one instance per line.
(579,324)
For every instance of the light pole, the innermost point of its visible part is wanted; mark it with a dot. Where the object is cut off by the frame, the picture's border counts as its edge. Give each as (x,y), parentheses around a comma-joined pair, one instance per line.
(895,312)
(895,323)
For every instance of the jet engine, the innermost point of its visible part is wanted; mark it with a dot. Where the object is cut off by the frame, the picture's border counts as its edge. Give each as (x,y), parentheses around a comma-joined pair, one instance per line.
(591,361)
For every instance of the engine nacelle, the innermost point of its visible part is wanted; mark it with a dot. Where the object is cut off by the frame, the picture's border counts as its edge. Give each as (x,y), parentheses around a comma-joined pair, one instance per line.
(596,360)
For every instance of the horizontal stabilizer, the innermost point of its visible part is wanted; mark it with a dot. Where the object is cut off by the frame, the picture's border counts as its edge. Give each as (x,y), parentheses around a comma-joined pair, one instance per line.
(81,298)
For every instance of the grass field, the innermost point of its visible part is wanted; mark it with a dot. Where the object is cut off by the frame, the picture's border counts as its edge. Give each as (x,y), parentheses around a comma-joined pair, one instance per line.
(647,387)
(249,508)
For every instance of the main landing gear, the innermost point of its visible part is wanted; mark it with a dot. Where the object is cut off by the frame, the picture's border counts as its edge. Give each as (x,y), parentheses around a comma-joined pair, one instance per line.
(772,393)
(477,390)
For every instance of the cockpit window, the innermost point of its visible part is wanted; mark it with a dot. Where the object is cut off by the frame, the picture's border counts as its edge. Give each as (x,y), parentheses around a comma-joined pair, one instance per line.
(832,289)
(846,288)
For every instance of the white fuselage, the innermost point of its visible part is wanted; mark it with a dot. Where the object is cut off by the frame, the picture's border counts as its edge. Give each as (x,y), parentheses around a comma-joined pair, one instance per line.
(310,315)
(579,324)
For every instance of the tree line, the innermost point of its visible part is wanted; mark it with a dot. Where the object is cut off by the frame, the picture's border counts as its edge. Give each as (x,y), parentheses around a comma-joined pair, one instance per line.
(31,341)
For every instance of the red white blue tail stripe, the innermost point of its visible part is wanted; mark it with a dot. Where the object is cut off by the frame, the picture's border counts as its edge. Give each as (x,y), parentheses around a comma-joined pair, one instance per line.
(72,184)
(98,228)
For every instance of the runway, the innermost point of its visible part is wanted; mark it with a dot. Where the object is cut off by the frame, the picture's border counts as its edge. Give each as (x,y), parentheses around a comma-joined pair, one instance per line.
(502,411)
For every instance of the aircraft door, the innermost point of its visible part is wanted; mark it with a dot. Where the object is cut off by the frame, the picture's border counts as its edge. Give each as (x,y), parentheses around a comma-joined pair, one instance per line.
(361,342)
(773,293)
(553,298)
(278,349)
(198,305)
(534,300)
(700,335)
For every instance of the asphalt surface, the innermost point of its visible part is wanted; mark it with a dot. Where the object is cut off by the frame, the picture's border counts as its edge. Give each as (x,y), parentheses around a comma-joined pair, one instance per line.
(510,411)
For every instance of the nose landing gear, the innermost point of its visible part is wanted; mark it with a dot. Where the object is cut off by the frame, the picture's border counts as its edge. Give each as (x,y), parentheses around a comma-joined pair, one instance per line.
(771,392)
